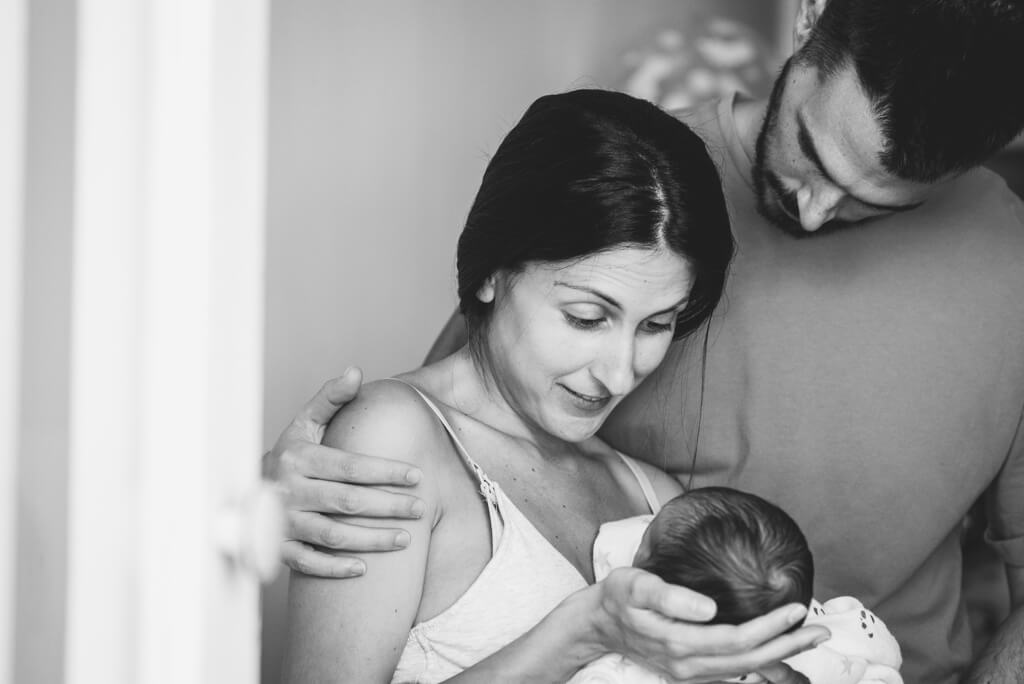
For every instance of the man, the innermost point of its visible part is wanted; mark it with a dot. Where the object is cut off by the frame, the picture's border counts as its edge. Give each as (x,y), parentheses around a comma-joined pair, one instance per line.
(870,379)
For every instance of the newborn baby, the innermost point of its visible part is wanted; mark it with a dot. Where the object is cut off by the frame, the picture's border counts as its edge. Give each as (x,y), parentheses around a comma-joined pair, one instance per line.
(750,557)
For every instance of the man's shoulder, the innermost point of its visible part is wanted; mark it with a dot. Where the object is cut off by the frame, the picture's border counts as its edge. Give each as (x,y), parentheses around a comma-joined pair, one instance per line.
(702,118)
(974,213)
(986,194)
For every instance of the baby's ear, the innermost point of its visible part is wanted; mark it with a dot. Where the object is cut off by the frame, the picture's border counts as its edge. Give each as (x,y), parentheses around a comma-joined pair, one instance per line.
(643,553)
(646,548)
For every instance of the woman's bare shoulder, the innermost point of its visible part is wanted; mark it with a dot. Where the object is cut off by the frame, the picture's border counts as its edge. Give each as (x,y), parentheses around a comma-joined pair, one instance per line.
(387,419)
(665,485)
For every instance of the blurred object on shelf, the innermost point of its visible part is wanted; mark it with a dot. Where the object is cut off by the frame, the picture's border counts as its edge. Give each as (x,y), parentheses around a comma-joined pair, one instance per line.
(700,59)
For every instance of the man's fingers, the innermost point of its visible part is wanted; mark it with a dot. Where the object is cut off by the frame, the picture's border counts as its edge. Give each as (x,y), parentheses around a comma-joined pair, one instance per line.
(322,496)
(322,531)
(309,561)
(326,463)
(335,393)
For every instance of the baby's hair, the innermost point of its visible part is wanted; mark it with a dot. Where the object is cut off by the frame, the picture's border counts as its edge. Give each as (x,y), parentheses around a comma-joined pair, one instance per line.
(736,548)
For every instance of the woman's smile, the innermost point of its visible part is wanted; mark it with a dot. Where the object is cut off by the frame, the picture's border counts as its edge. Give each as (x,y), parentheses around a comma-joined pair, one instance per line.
(586,403)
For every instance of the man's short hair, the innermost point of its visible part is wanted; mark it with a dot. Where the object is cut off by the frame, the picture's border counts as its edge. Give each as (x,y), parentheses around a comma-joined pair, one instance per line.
(944,76)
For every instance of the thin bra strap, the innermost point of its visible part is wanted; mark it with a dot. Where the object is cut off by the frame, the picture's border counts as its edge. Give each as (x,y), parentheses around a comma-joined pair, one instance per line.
(487,487)
(645,482)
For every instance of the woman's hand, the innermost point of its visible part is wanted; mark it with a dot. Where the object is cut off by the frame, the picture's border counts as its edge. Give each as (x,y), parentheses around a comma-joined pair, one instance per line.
(781,673)
(320,483)
(635,613)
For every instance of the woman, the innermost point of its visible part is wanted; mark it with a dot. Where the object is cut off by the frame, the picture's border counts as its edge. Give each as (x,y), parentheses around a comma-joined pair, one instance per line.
(599,234)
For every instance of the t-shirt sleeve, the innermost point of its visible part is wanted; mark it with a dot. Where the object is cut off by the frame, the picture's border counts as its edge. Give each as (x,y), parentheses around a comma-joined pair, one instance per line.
(1005,504)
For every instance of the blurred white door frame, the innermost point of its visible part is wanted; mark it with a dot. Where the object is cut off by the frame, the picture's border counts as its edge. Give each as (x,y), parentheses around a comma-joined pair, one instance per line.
(167,253)
(12,109)
(167,321)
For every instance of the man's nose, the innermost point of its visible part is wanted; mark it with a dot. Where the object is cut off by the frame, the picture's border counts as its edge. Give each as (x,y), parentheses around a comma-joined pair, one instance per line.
(818,204)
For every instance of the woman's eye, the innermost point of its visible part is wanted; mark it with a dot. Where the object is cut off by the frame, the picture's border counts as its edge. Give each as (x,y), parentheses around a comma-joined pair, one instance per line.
(654,327)
(582,323)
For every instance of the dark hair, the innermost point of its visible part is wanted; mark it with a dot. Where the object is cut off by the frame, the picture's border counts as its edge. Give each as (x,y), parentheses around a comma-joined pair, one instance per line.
(736,548)
(934,72)
(589,170)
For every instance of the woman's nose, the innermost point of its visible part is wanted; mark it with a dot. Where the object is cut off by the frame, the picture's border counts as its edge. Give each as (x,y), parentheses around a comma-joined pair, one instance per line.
(616,367)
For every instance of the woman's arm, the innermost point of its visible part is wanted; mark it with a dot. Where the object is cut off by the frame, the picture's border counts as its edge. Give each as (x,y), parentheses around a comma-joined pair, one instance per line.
(355,629)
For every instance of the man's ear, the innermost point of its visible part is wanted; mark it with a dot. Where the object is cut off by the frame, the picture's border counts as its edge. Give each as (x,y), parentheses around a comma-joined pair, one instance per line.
(806,17)
(486,291)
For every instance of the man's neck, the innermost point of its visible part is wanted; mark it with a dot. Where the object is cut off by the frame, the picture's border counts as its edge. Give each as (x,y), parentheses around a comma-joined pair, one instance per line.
(748,116)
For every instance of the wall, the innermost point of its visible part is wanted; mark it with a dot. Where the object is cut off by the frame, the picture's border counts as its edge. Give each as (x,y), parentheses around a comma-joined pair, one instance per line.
(382,116)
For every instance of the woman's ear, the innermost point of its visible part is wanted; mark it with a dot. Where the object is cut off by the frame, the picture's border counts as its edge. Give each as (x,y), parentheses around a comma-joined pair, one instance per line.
(486,292)
(806,17)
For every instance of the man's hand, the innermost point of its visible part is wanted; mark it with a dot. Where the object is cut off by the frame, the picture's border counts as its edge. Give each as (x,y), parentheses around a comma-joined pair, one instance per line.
(321,485)
(659,624)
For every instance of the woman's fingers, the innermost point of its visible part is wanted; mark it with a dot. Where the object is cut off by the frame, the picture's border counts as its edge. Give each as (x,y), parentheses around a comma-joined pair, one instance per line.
(323,531)
(650,592)
(310,561)
(731,639)
(646,614)
(780,673)
(704,668)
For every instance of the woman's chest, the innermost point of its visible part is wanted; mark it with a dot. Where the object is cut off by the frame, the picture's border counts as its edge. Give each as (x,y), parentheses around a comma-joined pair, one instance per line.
(564,506)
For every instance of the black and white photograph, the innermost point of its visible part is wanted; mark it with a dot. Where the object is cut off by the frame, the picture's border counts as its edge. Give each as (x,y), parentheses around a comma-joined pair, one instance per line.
(539,341)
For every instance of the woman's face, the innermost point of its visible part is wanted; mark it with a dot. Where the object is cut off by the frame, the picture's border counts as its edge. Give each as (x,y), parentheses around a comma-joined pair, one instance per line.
(568,340)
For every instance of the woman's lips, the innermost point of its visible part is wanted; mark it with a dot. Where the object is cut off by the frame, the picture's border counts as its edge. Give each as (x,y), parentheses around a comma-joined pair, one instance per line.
(586,402)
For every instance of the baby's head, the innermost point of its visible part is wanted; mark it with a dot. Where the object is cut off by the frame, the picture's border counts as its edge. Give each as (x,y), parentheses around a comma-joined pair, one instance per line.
(736,548)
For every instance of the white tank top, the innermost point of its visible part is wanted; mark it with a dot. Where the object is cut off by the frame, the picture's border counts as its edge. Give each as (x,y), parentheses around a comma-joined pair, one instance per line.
(524,580)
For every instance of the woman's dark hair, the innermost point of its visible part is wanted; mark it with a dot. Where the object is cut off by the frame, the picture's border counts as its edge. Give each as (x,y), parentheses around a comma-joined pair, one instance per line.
(734,547)
(589,170)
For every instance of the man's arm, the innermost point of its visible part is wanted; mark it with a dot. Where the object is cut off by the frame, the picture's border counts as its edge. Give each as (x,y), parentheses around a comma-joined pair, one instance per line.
(319,483)
(323,486)
(1002,662)
(453,337)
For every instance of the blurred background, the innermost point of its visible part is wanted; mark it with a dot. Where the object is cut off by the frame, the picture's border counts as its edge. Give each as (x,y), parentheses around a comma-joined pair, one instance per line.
(210,208)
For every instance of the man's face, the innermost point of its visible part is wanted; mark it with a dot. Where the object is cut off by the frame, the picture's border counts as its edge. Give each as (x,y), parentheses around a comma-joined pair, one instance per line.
(818,162)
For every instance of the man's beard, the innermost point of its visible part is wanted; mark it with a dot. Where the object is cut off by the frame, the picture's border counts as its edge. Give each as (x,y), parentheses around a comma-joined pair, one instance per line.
(765,180)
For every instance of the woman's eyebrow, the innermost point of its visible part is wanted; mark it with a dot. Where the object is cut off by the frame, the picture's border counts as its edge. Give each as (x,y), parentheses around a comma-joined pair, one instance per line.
(612,302)
(672,308)
(590,290)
